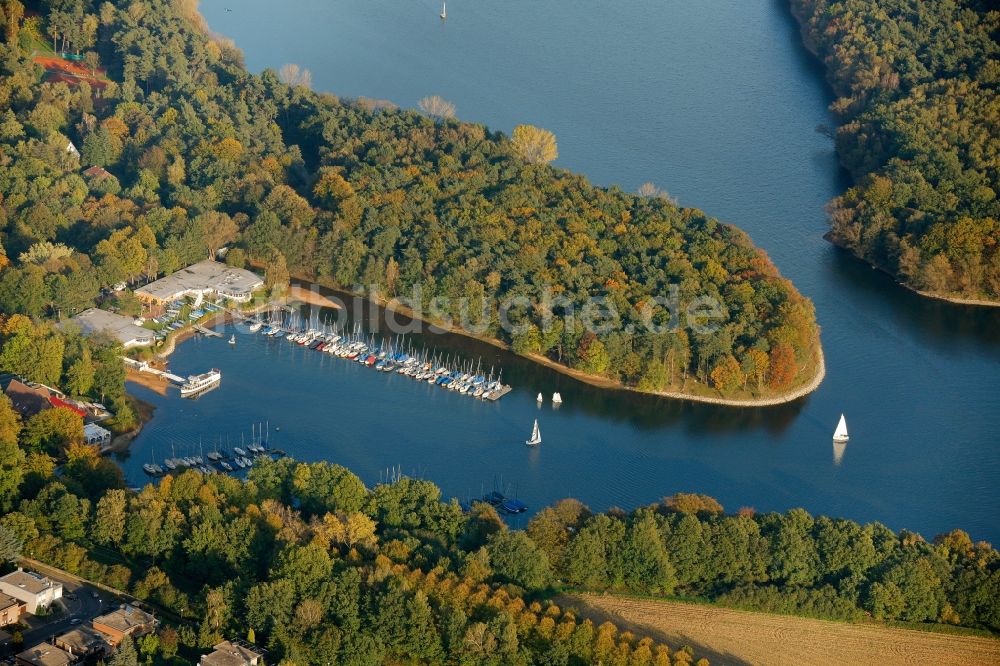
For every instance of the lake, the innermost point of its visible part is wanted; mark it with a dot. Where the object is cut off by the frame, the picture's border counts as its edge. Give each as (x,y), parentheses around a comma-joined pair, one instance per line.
(716,102)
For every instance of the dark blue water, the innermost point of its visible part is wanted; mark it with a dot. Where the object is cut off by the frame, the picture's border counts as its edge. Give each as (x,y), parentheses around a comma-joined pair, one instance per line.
(717,103)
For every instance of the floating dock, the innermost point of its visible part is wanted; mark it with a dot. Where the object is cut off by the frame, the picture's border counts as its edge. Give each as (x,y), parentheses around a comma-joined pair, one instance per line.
(207,331)
(142,366)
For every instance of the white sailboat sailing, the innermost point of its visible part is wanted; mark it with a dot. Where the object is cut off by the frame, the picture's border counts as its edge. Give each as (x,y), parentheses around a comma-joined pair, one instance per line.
(556,398)
(540,398)
(840,434)
(536,436)
(444,11)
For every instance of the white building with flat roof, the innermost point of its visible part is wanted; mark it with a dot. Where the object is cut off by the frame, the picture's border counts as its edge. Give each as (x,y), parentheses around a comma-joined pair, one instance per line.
(35,590)
(96,435)
(206,278)
(120,327)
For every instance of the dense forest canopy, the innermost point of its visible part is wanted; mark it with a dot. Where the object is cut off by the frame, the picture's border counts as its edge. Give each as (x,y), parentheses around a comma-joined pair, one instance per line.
(917,85)
(182,152)
(320,569)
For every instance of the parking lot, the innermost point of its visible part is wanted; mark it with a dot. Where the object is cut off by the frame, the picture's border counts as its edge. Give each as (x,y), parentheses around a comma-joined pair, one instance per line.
(80,603)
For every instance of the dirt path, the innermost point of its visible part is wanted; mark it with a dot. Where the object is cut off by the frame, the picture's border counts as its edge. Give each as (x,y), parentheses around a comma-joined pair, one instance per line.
(727,636)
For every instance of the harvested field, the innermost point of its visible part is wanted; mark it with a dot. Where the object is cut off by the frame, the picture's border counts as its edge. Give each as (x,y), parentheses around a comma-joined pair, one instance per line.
(727,636)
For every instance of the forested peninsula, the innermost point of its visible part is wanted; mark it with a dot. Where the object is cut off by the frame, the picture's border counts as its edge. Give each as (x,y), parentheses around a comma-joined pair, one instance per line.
(917,98)
(154,147)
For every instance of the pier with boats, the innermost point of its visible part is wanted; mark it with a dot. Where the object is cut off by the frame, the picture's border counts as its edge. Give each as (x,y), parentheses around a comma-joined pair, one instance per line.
(390,356)
(219,459)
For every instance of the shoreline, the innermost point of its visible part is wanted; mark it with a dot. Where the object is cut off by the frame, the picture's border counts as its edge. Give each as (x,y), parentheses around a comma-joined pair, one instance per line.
(813,50)
(305,295)
(945,298)
(604,382)
(144,412)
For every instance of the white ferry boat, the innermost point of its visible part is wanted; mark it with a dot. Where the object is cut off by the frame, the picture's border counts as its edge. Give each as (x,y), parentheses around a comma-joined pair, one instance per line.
(195,384)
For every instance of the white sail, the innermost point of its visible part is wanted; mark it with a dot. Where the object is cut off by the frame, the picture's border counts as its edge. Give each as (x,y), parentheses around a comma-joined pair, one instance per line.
(444,10)
(536,435)
(556,398)
(840,434)
(540,398)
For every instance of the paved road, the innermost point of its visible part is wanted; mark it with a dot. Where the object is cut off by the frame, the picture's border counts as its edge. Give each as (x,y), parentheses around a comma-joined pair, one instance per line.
(80,604)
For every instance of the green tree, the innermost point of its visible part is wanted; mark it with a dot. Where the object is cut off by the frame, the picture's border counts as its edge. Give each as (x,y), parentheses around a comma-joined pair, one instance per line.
(594,554)
(794,559)
(80,375)
(10,545)
(646,566)
(11,455)
(516,558)
(52,430)
(125,654)
(109,521)
(101,147)
(885,601)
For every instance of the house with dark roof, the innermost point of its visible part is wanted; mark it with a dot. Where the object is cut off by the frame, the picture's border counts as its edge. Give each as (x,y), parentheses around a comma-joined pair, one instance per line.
(234,653)
(46,654)
(125,621)
(26,397)
(96,172)
(11,609)
(84,642)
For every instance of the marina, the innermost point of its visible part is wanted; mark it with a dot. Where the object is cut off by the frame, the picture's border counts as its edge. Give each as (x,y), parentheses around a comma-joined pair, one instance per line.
(389,356)
(219,459)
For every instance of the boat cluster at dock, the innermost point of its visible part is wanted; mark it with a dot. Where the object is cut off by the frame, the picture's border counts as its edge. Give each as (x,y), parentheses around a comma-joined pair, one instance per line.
(385,357)
(508,505)
(215,461)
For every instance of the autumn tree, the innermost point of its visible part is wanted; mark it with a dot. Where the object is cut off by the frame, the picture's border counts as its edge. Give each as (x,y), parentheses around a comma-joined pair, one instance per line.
(14,12)
(293,75)
(52,430)
(782,367)
(437,107)
(535,145)
(727,374)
